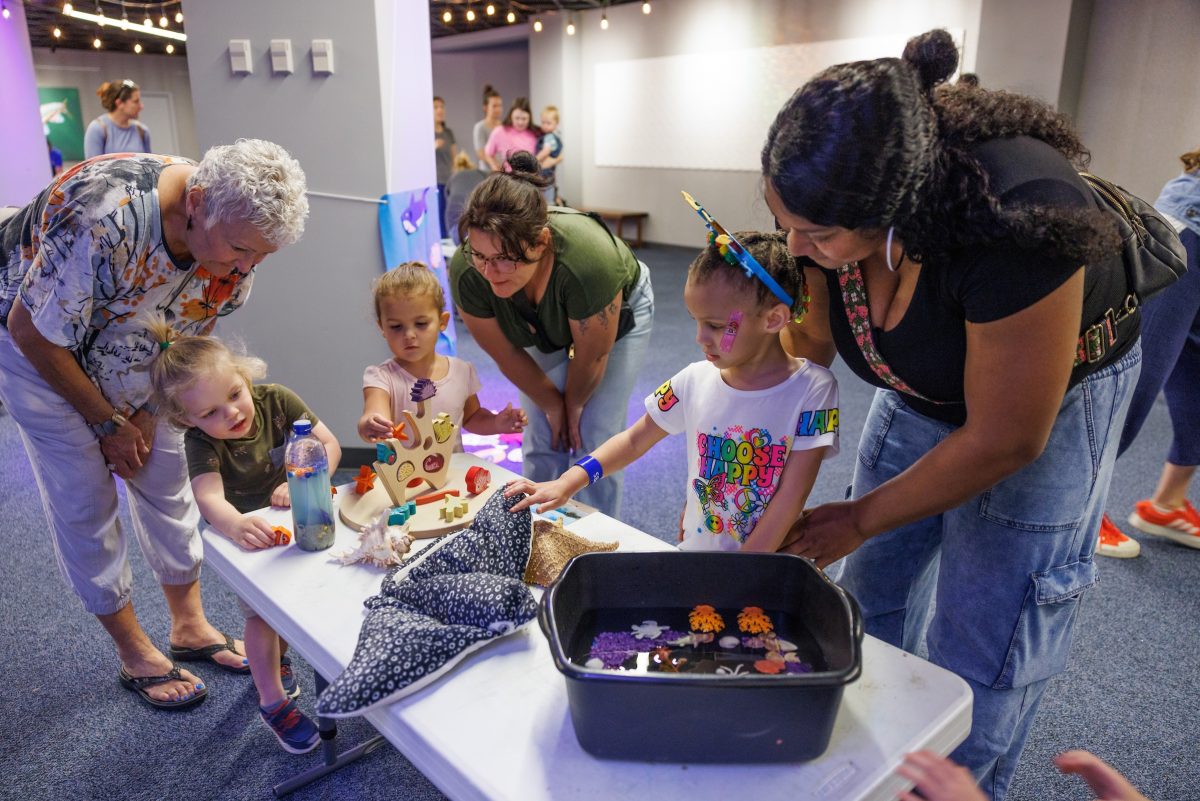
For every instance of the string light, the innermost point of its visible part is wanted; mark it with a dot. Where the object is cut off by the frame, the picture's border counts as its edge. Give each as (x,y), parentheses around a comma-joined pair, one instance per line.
(537,25)
(646,7)
(96,43)
(170,48)
(604,22)
(178,17)
(101,20)
(149,23)
(512,17)
(57,33)
(4,10)
(470,15)
(137,47)
(570,29)
(447,16)
(68,8)
(491,9)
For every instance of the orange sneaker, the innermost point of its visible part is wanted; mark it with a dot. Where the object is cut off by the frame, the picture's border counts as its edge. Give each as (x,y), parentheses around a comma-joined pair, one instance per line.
(1115,544)
(1181,525)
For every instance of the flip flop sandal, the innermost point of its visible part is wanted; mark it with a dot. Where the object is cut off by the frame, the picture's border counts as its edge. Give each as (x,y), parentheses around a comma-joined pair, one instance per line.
(206,654)
(141,685)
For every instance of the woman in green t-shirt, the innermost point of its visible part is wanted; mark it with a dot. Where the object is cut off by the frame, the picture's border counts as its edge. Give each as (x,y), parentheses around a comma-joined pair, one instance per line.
(564,308)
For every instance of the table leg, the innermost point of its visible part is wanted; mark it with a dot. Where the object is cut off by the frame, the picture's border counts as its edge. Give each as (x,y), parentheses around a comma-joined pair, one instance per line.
(333,760)
(639,232)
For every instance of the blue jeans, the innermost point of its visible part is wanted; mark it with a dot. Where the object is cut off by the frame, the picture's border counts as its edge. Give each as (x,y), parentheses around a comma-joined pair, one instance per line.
(990,590)
(1171,344)
(605,413)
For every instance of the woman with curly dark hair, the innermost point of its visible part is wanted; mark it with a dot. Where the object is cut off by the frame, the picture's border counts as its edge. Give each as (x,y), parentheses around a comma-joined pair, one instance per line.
(959,258)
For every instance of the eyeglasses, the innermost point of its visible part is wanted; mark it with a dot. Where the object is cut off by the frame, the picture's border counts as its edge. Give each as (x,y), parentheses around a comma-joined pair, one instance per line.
(499,263)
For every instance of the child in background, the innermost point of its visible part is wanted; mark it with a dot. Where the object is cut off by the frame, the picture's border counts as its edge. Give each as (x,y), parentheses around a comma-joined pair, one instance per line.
(410,309)
(549,152)
(236,432)
(758,421)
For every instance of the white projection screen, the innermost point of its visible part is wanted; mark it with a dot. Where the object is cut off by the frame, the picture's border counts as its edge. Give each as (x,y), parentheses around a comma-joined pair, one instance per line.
(710,111)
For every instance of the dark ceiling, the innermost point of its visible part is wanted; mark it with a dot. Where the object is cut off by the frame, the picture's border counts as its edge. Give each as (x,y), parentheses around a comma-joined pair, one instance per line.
(43,16)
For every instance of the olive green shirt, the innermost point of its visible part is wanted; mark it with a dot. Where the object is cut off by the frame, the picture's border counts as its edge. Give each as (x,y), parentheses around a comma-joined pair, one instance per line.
(590,266)
(251,467)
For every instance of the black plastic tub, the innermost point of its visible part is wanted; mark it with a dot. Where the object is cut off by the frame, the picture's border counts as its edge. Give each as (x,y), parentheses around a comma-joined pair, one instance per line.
(685,717)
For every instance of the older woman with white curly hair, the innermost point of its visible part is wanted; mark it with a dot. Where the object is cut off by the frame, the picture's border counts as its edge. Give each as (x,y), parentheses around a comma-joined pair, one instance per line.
(108,242)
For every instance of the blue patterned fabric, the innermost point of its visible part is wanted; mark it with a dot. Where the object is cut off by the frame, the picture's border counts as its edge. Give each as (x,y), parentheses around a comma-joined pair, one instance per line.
(457,594)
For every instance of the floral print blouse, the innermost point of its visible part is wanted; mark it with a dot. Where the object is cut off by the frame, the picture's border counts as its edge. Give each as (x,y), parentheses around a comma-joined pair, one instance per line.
(88,259)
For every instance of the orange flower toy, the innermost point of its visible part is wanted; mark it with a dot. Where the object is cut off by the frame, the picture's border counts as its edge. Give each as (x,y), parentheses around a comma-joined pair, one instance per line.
(752,620)
(704,618)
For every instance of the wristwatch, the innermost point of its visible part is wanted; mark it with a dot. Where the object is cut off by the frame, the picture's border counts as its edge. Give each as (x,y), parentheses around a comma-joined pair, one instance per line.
(109,426)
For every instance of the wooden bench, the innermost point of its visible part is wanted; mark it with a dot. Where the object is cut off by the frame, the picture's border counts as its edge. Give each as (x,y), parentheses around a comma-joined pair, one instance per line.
(618,217)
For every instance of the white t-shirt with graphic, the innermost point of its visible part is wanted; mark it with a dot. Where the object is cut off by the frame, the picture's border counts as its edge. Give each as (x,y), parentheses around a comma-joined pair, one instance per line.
(453,390)
(738,442)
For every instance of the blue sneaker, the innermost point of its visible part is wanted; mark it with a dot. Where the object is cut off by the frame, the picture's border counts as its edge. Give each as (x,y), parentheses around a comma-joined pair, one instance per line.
(288,679)
(297,734)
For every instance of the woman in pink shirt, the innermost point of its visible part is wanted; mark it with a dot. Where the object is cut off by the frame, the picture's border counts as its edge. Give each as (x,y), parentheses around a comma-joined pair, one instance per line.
(511,135)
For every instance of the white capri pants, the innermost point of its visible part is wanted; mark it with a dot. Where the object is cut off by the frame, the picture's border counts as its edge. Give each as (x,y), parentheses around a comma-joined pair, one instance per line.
(79,494)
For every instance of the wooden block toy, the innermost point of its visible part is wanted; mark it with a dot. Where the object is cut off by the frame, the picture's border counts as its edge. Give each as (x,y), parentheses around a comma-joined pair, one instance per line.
(478,479)
(453,509)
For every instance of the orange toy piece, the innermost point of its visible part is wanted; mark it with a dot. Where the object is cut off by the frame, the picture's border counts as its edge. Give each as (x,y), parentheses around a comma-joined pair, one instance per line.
(398,431)
(752,620)
(282,535)
(704,618)
(421,500)
(364,482)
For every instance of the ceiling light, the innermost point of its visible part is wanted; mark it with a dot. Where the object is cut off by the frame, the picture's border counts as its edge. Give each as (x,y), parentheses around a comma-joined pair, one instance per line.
(67,8)
(491,9)
(4,10)
(99,20)
(170,48)
(512,17)
(470,15)
(178,17)
(162,21)
(537,25)
(96,43)
(149,23)
(604,22)
(447,16)
(57,33)
(646,7)
(137,47)
(570,29)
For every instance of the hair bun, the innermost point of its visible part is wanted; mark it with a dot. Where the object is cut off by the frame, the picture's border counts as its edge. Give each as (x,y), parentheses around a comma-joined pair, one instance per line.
(933,55)
(522,161)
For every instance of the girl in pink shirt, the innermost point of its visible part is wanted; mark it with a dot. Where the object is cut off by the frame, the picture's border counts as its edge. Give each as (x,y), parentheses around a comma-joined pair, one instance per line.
(511,135)
(410,309)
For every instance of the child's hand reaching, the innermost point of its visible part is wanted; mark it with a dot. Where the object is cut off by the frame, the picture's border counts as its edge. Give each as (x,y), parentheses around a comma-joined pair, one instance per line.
(281,496)
(510,420)
(252,533)
(549,494)
(1102,778)
(938,779)
(374,426)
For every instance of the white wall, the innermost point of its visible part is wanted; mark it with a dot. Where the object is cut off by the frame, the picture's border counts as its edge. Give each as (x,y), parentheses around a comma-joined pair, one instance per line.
(459,76)
(566,66)
(310,313)
(1023,46)
(24,158)
(1139,103)
(87,69)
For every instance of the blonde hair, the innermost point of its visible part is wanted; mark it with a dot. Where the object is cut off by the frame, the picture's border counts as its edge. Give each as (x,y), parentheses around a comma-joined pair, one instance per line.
(551,110)
(1191,160)
(183,359)
(462,162)
(412,279)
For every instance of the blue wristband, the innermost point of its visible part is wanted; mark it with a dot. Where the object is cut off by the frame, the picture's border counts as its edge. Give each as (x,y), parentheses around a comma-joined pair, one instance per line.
(591,466)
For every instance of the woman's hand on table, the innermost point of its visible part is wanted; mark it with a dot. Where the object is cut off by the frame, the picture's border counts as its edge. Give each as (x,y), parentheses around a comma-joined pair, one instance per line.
(252,533)
(548,494)
(281,497)
(825,534)
(938,779)
(126,449)
(373,426)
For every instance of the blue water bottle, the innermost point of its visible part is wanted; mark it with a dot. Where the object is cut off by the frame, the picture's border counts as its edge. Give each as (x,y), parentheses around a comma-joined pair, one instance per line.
(308,485)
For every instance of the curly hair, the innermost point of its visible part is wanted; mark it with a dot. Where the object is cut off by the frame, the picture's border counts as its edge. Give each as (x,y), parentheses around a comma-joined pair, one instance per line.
(1191,160)
(873,144)
(770,251)
(256,181)
(183,360)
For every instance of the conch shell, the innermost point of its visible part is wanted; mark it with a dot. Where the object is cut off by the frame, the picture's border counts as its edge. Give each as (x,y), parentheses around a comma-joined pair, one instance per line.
(379,544)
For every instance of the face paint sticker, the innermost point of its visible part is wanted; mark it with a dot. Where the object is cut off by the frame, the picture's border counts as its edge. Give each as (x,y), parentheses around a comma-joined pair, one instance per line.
(731,331)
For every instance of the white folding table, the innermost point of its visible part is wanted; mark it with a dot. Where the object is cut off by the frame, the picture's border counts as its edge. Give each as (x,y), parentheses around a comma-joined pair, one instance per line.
(497,726)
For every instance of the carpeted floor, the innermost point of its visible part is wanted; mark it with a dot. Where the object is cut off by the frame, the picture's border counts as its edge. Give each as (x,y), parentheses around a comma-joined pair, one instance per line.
(73,733)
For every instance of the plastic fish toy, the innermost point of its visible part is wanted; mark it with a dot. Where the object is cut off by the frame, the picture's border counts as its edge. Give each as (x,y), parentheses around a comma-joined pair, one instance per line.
(414,215)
